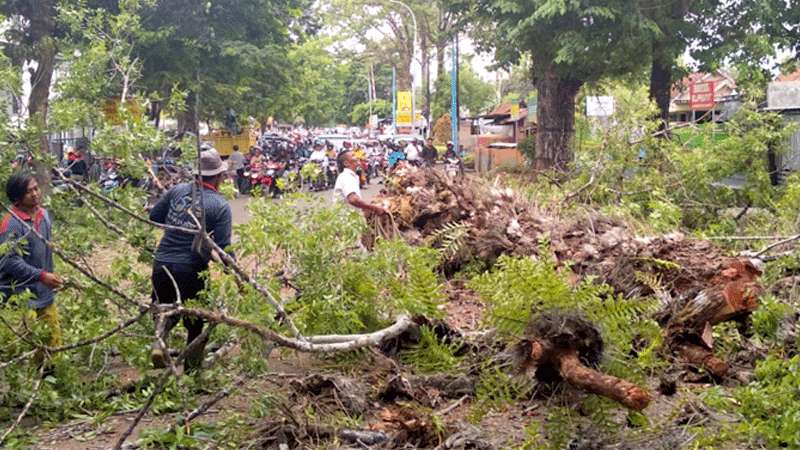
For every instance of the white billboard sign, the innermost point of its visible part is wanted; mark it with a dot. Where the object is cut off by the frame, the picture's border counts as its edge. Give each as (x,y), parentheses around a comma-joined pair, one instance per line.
(600,106)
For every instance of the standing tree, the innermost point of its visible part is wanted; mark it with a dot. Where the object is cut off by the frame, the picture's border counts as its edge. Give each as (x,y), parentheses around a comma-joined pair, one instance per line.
(31,40)
(231,51)
(475,95)
(571,44)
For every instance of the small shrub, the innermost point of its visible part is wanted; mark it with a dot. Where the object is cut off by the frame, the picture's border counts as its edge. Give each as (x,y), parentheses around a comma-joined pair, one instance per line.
(432,355)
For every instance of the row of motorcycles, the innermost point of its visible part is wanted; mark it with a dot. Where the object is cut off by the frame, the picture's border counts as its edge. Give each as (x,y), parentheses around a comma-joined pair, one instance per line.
(273,176)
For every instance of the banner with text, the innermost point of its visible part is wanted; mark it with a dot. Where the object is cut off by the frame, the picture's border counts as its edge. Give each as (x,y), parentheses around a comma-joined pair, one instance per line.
(404,114)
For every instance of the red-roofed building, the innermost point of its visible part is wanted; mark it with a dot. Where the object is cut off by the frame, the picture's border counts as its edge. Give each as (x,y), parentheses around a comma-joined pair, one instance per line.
(704,97)
(794,76)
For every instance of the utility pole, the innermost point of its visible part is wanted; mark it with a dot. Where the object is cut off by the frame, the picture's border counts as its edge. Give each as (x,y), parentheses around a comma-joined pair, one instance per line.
(394,98)
(454,100)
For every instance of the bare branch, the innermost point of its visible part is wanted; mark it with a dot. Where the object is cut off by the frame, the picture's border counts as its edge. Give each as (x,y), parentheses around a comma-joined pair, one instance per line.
(777,244)
(202,409)
(24,412)
(161,384)
(358,340)
(17,359)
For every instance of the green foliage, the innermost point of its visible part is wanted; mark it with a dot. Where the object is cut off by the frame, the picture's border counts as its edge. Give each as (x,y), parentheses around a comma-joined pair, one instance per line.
(341,289)
(699,179)
(496,389)
(232,52)
(475,95)
(527,147)
(449,239)
(767,406)
(768,317)
(360,113)
(431,354)
(519,287)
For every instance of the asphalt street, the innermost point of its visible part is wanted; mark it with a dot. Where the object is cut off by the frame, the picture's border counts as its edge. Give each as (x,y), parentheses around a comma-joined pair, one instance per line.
(241,214)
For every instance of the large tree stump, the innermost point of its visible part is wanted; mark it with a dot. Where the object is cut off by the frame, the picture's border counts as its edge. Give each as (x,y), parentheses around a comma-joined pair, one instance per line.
(560,346)
(731,295)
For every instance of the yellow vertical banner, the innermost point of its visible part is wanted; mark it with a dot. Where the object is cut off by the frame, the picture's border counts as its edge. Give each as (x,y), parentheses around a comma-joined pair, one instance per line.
(514,109)
(404,114)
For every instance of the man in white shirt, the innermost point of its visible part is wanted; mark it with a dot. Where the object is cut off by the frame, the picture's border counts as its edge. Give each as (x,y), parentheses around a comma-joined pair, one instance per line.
(318,155)
(412,153)
(347,187)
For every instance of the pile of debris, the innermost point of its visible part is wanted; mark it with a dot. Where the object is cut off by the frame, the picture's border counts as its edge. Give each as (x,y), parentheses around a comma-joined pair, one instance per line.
(471,219)
(483,221)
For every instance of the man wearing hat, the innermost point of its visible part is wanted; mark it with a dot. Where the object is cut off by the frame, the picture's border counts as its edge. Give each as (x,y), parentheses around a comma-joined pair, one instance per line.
(178,262)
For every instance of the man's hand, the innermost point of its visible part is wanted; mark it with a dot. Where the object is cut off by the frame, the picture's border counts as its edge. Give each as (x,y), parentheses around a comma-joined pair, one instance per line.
(52,280)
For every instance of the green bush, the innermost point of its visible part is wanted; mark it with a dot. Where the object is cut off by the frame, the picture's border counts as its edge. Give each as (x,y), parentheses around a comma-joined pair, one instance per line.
(339,287)
(518,287)
(769,407)
(527,147)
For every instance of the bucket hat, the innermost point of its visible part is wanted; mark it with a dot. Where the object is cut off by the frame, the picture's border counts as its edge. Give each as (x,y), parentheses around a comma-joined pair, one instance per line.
(211,164)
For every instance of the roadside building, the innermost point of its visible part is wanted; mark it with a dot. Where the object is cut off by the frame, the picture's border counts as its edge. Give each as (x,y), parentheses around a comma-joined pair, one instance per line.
(704,97)
(783,97)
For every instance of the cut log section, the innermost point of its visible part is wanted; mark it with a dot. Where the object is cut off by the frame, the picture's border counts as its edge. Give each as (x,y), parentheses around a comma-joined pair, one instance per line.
(565,346)
(732,295)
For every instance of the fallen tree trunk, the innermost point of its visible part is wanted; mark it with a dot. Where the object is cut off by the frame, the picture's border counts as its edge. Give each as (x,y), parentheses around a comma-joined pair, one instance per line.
(733,295)
(590,380)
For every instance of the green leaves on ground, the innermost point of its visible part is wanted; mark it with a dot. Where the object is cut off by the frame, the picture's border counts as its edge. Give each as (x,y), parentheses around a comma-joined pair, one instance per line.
(337,286)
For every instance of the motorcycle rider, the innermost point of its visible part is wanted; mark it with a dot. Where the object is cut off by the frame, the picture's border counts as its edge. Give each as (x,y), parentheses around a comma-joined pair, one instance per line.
(412,153)
(429,153)
(318,155)
(395,155)
(450,152)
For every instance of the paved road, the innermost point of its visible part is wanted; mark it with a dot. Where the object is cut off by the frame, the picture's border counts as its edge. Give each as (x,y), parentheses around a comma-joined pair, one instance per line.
(241,215)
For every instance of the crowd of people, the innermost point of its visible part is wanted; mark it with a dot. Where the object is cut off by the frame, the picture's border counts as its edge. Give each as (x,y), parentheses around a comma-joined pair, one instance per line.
(284,156)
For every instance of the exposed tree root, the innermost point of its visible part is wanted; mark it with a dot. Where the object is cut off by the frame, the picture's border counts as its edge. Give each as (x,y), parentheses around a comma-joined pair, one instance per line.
(560,346)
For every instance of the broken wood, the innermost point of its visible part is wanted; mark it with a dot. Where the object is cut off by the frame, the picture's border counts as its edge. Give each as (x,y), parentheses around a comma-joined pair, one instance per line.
(732,295)
(590,380)
(697,283)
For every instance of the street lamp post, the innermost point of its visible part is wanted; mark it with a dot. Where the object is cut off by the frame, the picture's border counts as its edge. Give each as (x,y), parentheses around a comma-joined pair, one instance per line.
(369,96)
(411,62)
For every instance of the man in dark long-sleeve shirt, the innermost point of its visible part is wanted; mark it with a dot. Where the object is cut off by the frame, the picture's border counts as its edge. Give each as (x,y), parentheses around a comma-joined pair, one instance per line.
(27,263)
(178,261)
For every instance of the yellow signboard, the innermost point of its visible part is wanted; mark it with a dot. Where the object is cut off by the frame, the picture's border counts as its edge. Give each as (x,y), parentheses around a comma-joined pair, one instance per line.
(514,109)
(404,115)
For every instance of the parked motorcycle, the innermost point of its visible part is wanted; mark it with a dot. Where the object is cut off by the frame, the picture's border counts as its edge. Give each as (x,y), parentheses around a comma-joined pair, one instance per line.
(272,171)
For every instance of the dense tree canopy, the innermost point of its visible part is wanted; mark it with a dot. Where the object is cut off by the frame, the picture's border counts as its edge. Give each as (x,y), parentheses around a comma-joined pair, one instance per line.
(570,43)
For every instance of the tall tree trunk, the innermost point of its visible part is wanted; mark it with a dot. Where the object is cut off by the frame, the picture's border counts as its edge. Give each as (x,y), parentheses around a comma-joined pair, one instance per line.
(403,76)
(661,83)
(188,120)
(556,120)
(426,78)
(441,49)
(42,30)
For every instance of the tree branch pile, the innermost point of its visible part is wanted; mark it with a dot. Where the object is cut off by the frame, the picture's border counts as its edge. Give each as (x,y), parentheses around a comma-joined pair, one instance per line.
(470,219)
